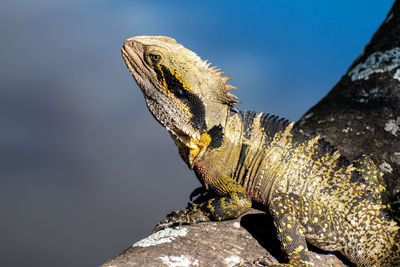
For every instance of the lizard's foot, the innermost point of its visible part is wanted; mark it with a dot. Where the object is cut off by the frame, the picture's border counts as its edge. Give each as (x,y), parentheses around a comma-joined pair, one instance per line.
(190,215)
(262,261)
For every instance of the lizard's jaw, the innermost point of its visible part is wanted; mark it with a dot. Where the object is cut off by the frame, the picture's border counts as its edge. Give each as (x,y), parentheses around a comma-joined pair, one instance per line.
(165,108)
(138,69)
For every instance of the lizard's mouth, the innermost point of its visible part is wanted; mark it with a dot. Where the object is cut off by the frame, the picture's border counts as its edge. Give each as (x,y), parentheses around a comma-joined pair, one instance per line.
(130,59)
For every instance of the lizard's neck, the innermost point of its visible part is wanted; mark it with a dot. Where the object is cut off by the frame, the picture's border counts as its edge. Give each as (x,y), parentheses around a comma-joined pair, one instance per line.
(192,148)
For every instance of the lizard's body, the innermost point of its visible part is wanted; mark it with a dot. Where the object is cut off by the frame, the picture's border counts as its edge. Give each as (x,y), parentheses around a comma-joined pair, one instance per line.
(311,191)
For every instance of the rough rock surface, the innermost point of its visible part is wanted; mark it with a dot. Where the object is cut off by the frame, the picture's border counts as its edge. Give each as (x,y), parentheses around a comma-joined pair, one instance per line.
(360,115)
(211,244)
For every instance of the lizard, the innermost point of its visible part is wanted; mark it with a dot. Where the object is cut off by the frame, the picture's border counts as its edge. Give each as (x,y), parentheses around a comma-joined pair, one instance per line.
(313,193)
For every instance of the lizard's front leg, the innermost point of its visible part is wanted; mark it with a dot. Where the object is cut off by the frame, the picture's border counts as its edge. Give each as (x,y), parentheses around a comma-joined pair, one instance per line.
(232,201)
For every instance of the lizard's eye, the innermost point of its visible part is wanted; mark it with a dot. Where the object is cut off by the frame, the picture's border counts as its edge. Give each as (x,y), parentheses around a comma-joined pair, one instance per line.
(154,58)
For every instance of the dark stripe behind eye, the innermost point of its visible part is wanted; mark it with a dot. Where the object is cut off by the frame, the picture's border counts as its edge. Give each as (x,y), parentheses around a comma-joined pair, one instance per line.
(191,100)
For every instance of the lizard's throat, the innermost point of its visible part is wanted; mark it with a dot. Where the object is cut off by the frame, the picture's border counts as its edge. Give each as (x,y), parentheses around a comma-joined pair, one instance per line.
(191,149)
(178,126)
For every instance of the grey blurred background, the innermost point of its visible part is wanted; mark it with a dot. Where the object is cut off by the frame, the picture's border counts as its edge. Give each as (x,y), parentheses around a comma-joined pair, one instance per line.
(85,171)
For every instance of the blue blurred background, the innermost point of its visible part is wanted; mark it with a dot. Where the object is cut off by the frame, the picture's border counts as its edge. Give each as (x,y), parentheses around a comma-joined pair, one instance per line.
(85,170)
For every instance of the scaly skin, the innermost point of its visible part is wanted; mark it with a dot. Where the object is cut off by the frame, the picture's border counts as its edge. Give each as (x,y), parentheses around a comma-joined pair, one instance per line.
(313,193)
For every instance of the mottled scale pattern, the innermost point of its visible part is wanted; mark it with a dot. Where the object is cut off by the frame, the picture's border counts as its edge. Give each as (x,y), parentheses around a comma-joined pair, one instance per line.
(314,194)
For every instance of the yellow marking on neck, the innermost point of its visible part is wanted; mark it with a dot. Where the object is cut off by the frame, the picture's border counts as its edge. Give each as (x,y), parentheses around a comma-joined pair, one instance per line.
(198,146)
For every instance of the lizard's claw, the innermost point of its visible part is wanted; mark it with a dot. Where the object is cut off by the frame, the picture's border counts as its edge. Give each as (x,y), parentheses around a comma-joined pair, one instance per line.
(173,218)
(190,215)
(162,225)
(262,261)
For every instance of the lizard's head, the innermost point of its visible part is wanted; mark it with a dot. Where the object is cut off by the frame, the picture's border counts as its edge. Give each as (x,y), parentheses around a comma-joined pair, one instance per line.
(182,92)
